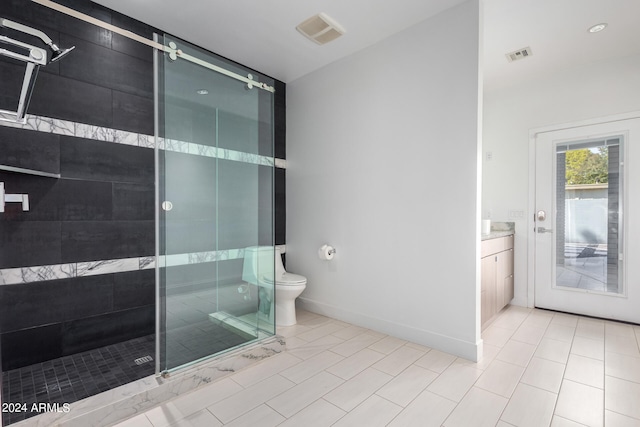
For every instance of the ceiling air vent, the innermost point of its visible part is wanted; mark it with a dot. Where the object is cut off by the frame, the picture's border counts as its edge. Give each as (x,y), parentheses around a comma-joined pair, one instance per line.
(519,54)
(320,29)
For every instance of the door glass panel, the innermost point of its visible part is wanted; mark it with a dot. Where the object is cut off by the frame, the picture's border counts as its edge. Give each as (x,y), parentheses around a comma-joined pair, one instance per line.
(588,220)
(216,198)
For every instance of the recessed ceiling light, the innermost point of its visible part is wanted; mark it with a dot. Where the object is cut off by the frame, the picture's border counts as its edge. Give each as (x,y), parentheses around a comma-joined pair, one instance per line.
(202,92)
(597,28)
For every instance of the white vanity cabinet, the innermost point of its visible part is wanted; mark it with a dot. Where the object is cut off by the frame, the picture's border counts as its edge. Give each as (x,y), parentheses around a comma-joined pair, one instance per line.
(497,276)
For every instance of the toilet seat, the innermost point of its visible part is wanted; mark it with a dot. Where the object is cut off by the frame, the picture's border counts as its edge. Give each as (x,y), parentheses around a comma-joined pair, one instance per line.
(289,279)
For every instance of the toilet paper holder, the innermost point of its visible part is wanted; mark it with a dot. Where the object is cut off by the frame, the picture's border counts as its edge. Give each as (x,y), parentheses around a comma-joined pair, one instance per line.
(326,252)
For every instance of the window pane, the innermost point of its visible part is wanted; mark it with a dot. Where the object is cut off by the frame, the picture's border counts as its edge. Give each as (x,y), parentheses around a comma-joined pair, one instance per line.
(588,220)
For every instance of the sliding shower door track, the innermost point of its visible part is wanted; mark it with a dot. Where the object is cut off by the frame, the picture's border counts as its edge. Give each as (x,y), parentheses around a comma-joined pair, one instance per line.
(171,50)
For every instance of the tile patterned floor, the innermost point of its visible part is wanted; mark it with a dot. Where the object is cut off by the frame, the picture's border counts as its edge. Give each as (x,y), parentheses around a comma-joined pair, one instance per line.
(540,368)
(197,340)
(191,334)
(72,378)
(75,377)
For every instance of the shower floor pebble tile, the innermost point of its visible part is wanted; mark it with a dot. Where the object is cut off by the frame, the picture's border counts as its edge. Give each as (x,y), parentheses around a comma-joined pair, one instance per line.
(335,374)
(72,378)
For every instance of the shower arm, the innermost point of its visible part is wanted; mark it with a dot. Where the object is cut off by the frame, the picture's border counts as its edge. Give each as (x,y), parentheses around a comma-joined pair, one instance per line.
(57,53)
(36,55)
(28,30)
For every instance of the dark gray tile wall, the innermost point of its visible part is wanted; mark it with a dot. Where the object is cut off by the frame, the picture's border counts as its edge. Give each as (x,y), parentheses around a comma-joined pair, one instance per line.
(17,147)
(105,161)
(64,98)
(103,206)
(132,112)
(280,152)
(280,120)
(280,211)
(11,75)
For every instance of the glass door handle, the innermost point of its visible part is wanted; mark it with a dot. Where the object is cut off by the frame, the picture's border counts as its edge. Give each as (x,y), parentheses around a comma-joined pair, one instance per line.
(544,230)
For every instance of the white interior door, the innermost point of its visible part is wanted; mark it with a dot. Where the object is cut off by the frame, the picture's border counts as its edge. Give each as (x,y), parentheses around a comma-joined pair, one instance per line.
(587,220)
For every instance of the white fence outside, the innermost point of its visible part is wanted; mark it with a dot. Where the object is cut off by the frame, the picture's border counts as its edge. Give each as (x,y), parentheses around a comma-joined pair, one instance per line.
(586,221)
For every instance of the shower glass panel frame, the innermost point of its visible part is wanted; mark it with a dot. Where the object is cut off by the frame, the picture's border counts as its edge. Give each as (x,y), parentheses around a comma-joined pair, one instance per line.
(215,198)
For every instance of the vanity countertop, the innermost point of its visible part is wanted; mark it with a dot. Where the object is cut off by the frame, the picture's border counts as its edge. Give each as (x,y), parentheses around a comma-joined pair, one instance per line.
(496,234)
(500,229)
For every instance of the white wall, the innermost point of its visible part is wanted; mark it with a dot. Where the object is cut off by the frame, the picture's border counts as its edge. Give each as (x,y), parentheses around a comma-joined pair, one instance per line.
(598,90)
(382,155)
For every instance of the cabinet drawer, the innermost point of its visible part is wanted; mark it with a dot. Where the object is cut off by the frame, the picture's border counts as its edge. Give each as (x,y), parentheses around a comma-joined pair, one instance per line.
(508,242)
(493,246)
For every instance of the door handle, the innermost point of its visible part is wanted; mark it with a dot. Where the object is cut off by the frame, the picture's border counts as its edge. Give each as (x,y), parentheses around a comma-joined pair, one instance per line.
(544,230)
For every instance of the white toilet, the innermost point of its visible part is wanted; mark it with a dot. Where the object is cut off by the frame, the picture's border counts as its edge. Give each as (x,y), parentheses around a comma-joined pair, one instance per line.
(258,270)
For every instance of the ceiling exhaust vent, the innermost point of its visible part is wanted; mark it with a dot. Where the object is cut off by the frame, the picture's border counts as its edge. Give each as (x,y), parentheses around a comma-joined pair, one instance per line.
(519,54)
(320,29)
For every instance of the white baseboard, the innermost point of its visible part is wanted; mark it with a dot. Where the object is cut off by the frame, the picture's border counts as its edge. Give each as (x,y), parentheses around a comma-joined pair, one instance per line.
(467,350)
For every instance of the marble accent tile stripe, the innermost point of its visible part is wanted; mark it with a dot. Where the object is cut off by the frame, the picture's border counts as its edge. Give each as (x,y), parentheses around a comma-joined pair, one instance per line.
(98,133)
(147,263)
(11,276)
(200,257)
(43,124)
(81,130)
(14,276)
(40,273)
(95,268)
(219,153)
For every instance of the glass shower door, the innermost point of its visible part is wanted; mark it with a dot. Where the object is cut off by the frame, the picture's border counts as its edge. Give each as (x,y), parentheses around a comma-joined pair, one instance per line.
(215,200)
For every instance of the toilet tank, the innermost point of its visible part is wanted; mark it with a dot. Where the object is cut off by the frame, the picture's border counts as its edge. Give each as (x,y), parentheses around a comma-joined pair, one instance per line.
(258,265)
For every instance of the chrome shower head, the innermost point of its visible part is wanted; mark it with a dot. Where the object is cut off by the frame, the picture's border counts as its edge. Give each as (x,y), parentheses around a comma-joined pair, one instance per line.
(58,53)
